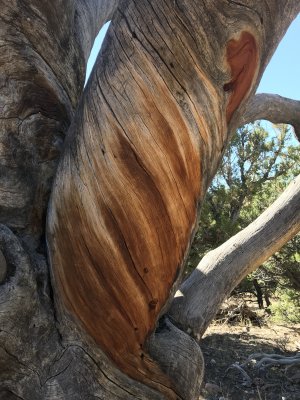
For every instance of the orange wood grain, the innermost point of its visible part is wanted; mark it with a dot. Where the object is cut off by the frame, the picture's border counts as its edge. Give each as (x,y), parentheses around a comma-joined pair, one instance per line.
(242,57)
(124,205)
(122,220)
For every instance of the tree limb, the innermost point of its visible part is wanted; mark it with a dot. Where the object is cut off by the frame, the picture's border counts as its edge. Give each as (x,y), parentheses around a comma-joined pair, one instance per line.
(200,296)
(268,360)
(274,108)
(246,377)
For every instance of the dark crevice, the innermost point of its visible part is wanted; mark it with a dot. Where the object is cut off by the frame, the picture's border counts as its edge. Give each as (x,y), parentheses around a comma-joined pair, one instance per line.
(53,308)
(101,370)
(59,373)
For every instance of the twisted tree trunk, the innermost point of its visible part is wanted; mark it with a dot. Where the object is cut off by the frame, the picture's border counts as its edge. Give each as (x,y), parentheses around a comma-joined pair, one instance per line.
(145,138)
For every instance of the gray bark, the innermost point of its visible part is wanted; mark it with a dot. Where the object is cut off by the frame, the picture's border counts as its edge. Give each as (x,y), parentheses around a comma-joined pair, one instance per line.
(45,352)
(274,108)
(221,270)
(44,50)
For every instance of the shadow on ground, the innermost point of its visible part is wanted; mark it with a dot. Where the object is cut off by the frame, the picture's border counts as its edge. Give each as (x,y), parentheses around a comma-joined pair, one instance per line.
(223,349)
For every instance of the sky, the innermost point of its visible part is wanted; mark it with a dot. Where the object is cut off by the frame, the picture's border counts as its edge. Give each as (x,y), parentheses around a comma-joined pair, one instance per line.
(282,75)
(95,50)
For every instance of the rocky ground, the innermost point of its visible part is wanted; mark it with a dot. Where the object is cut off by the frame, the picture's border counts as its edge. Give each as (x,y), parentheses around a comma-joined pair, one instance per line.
(229,376)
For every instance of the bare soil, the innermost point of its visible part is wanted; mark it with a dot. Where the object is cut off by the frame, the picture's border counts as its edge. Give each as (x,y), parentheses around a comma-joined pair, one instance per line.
(223,345)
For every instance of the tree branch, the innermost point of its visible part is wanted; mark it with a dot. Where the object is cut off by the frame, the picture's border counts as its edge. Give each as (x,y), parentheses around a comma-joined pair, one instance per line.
(200,296)
(274,108)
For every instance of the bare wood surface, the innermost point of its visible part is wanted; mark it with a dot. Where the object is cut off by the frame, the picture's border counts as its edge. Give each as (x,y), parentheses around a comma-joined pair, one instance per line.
(130,182)
(44,49)
(38,360)
(167,79)
(153,118)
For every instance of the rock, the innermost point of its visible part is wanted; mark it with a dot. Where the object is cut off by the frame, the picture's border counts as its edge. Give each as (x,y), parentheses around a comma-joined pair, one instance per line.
(258,382)
(212,388)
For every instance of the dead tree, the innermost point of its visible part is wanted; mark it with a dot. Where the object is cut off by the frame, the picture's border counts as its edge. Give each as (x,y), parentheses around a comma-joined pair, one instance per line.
(143,141)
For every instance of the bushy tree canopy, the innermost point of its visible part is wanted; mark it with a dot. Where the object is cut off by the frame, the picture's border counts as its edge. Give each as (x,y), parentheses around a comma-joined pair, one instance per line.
(258,165)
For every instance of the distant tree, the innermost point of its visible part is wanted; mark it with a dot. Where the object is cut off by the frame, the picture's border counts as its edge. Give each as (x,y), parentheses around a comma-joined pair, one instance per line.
(280,277)
(259,163)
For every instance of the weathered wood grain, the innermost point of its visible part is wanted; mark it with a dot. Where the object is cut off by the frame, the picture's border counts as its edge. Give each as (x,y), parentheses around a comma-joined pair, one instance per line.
(242,57)
(142,148)
(42,71)
(156,101)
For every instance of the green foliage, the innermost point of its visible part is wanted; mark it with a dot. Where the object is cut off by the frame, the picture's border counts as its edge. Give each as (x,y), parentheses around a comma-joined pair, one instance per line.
(286,307)
(256,168)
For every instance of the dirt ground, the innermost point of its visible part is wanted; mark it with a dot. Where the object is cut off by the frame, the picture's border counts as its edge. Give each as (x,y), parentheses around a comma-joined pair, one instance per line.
(223,345)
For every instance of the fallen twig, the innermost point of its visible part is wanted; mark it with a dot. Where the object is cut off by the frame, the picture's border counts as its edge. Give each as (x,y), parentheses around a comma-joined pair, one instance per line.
(267,360)
(247,379)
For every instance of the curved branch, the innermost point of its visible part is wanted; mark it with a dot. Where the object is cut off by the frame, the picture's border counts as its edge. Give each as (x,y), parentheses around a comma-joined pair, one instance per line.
(274,108)
(268,360)
(200,296)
